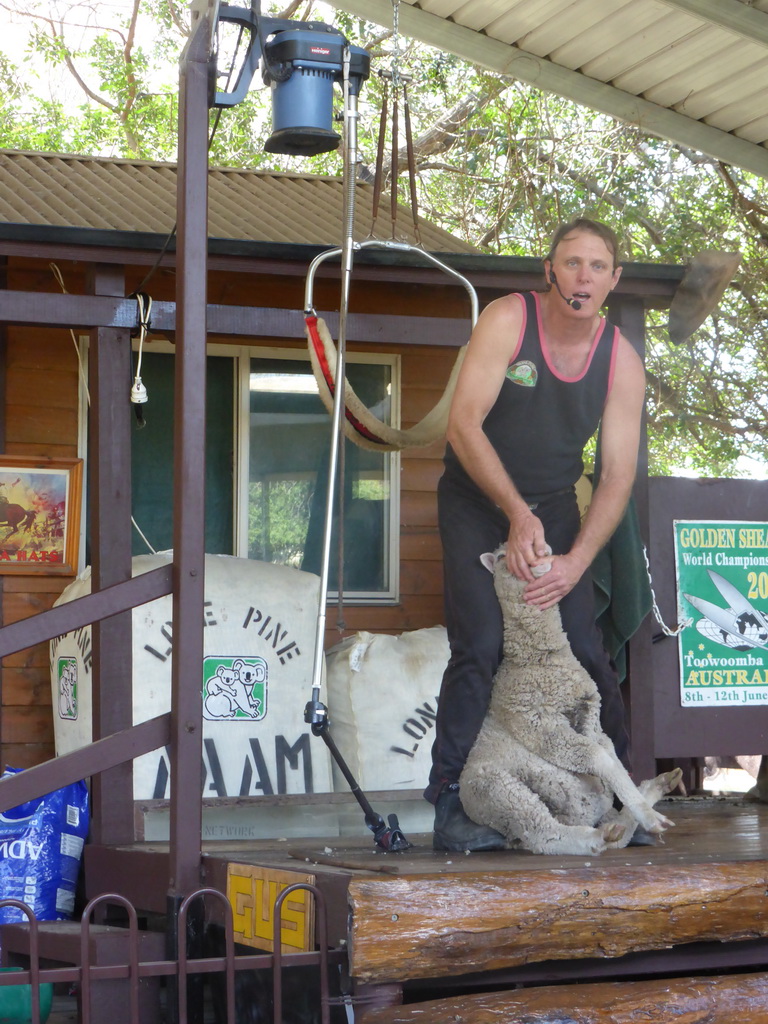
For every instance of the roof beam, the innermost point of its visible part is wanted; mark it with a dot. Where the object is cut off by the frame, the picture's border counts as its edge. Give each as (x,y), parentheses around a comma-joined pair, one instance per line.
(732,15)
(50,309)
(543,74)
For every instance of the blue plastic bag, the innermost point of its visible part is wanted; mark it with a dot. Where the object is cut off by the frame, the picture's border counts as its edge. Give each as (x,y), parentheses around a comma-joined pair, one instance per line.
(41,844)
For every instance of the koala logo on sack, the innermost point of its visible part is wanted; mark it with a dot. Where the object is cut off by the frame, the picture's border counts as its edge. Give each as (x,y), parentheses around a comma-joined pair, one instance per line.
(234,689)
(67,673)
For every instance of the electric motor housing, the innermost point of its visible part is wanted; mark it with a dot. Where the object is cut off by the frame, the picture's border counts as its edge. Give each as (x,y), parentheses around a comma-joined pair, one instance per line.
(301,67)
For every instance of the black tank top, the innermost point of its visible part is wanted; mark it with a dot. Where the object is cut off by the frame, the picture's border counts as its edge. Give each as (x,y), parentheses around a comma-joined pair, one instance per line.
(541,421)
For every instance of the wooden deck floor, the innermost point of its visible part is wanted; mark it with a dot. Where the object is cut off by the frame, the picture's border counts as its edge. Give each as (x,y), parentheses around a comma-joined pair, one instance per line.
(422,922)
(707,829)
(424,915)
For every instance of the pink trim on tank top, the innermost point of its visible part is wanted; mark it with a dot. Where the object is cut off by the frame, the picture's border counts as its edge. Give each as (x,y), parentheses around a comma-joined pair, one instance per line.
(545,347)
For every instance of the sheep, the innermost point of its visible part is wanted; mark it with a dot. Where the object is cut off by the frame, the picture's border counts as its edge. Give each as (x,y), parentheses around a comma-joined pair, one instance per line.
(541,771)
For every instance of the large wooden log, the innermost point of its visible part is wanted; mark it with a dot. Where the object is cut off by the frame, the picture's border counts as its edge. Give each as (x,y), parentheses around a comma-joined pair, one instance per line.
(718,1000)
(431,926)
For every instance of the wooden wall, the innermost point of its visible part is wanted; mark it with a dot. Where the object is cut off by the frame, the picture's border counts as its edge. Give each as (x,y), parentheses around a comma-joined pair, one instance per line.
(41,421)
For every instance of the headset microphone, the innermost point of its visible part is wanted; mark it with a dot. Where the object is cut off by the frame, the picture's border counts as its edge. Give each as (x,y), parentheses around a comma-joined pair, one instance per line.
(573,303)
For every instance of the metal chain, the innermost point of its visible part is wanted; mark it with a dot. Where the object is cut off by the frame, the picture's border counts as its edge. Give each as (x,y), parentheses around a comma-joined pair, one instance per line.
(669,632)
(395,44)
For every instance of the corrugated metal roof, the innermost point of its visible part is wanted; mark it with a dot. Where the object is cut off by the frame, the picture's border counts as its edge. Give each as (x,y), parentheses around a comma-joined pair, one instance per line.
(692,71)
(133,195)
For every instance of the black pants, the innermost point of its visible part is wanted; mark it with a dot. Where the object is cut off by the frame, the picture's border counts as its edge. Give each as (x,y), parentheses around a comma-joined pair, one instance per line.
(470,525)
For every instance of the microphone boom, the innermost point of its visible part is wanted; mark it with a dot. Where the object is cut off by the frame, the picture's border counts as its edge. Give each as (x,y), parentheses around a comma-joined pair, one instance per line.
(573,303)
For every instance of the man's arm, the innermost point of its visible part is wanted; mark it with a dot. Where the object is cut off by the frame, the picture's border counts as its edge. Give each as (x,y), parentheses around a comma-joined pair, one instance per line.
(491,347)
(619,443)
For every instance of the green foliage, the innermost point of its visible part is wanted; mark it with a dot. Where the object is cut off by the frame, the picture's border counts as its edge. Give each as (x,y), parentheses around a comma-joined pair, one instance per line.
(278,513)
(499,163)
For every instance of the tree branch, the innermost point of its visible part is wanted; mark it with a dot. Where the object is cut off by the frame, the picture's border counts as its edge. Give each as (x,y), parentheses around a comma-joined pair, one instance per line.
(748,209)
(58,37)
(654,233)
(671,405)
(445,132)
(291,9)
(178,19)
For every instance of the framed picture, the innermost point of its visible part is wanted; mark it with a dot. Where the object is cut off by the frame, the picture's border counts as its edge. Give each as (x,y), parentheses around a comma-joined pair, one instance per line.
(39,515)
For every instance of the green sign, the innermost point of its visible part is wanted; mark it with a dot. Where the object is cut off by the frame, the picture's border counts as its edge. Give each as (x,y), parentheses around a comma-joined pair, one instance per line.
(234,688)
(722,584)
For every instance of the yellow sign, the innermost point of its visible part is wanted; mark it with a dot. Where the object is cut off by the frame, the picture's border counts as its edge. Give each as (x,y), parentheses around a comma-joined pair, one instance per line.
(252,892)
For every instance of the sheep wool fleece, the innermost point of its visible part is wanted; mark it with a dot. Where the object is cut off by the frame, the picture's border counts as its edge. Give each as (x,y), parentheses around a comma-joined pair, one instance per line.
(541,772)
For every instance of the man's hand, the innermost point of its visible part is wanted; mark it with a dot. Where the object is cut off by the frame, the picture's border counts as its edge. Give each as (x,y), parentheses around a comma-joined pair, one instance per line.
(526,545)
(552,587)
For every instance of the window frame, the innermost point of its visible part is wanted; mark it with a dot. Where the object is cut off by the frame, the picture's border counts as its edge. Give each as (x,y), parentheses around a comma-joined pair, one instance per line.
(241,356)
(392,539)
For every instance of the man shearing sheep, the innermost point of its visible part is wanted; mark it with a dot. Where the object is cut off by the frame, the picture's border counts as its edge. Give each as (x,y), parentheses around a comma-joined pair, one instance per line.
(541,372)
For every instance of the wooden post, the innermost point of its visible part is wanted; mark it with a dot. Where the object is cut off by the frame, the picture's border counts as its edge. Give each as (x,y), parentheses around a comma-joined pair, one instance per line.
(629,316)
(110,503)
(189,466)
(189,502)
(3,434)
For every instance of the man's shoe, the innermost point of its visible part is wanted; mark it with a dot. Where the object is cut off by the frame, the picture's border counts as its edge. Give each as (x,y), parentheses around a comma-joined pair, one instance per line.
(641,837)
(456,832)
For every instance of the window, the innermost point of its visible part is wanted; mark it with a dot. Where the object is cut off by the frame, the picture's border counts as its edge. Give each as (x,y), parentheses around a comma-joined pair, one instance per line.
(152,455)
(289,432)
(267,452)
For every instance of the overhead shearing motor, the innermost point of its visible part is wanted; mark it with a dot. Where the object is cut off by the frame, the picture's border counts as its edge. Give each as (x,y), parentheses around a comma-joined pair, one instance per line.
(301,62)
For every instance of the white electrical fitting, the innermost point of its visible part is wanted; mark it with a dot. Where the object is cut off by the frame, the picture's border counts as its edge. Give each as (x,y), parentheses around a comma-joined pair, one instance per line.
(138,391)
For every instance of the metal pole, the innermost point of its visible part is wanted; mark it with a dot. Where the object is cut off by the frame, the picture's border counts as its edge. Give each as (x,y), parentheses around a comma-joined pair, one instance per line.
(350,168)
